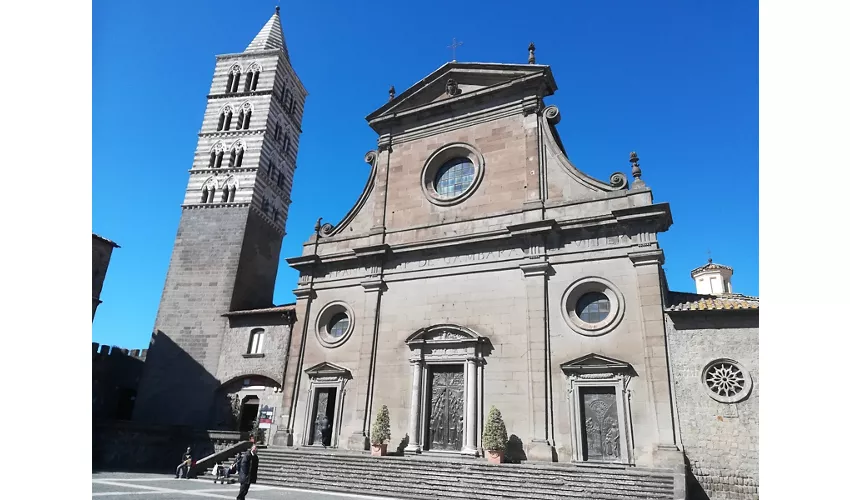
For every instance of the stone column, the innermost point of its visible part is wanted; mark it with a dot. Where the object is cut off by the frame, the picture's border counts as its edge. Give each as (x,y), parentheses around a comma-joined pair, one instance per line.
(470,447)
(413,445)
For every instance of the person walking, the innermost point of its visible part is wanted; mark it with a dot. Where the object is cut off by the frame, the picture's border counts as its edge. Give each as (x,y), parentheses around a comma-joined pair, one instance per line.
(248,472)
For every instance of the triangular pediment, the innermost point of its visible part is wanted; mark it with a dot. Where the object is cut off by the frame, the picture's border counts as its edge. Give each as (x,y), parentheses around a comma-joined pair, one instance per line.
(325,369)
(444,333)
(472,79)
(592,363)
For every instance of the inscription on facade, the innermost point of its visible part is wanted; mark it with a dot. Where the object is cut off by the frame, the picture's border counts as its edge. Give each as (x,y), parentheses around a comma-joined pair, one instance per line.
(455,260)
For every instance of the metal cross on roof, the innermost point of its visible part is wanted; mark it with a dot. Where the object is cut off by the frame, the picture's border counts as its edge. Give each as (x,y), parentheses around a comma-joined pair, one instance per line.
(455,44)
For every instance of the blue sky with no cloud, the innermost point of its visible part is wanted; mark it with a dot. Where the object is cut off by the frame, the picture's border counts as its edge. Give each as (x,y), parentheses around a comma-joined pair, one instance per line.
(675,81)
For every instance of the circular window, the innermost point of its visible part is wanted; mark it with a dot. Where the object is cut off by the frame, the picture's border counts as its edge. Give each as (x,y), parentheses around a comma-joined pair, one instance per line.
(334,324)
(726,381)
(454,178)
(592,306)
(452,174)
(338,325)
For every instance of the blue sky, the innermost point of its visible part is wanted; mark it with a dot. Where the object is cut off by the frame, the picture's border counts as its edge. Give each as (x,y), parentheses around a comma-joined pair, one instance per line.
(675,81)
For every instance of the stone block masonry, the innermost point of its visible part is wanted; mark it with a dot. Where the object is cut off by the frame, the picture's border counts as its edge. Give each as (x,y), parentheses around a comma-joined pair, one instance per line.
(720,440)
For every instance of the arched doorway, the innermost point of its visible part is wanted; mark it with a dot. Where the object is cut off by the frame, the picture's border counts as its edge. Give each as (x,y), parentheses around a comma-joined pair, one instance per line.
(250,409)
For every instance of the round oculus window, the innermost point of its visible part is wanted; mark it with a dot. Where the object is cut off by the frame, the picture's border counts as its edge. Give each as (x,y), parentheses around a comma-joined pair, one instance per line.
(726,381)
(454,178)
(592,306)
(334,324)
(452,174)
(338,325)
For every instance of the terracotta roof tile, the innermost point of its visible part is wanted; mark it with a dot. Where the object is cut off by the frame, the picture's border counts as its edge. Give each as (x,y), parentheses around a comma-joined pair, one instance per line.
(680,301)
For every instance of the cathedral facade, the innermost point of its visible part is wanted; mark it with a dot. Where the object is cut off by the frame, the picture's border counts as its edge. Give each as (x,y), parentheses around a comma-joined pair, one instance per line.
(479,267)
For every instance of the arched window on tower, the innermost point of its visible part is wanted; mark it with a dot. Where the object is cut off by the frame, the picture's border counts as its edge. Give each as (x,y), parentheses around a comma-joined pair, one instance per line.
(225,194)
(232,194)
(286,143)
(232,158)
(233,80)
(205,194)
(277,131)
(225,118)
(239,155)
(291,105)
(218,157)
(248,78)
(212,194)
(247,121)
(212,158)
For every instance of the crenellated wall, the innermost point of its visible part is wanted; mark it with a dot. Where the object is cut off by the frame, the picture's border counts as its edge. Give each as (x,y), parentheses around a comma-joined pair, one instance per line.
(115,379)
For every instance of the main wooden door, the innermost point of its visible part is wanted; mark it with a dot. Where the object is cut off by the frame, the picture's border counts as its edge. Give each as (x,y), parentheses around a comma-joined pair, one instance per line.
(445,419)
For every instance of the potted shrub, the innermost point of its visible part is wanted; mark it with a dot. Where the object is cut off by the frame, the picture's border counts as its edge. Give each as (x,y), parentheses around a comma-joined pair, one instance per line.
(381,432)
(495,436)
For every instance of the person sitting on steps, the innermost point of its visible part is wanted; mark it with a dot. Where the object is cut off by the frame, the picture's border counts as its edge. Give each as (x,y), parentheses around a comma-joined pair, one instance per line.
(185,463)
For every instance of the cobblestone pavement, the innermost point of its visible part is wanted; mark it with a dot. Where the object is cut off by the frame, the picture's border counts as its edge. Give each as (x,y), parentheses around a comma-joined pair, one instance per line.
(128,486)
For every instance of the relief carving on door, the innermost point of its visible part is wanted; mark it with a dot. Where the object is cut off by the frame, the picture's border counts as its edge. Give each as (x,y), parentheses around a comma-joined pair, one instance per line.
(601,425)
(446,413)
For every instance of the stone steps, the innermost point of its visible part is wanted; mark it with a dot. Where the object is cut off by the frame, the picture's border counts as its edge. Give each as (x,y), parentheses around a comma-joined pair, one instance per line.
(429,478)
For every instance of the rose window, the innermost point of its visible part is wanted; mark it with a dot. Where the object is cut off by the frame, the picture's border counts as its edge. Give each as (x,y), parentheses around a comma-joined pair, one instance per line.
(727,381)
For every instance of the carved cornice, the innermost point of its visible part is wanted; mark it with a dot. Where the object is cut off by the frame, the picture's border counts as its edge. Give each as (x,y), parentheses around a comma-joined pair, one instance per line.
(191,206)
(232,133)
(235,95)
(304,293)
(534,227)
(277,227)
(534,268)
(207,170)
(647,257)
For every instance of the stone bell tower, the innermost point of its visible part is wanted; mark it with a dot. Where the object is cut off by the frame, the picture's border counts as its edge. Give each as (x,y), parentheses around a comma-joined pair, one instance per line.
(233,220)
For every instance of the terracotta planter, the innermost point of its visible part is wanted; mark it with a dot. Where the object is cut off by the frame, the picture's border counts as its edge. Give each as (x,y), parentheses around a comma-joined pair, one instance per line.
(495,457)
(379,450)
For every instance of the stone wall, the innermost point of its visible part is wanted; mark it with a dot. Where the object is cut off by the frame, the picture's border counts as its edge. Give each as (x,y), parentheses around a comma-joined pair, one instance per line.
(130,446)
(721,441)
(180,379)
(115,379)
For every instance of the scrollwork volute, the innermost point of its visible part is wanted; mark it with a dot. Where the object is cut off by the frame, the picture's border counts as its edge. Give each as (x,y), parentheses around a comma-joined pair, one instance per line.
(553,114)
(326,229)
(371,157)
(618,180)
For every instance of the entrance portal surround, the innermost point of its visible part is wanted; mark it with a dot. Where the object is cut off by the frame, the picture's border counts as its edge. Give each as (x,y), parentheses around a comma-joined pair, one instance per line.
(325,376)
(445,344)
(593,379)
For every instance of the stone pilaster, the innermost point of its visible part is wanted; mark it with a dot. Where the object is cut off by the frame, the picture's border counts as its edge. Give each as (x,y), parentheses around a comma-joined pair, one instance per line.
(470,431)
(304,296)
(371,258)
(648,266)
(414,446)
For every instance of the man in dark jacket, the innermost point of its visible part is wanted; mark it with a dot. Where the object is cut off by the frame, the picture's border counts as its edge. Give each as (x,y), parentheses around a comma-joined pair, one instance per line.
(185,462)
(248,471)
